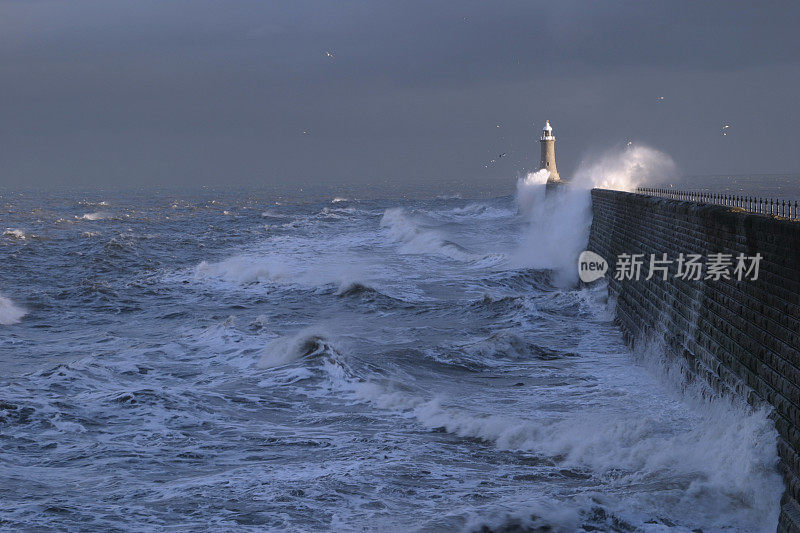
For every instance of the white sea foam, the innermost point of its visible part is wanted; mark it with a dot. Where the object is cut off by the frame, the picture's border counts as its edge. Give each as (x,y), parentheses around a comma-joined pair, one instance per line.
(10,313)
(559,224)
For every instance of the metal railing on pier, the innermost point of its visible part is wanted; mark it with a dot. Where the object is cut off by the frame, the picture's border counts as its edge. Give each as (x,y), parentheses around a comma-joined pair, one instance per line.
(752,204)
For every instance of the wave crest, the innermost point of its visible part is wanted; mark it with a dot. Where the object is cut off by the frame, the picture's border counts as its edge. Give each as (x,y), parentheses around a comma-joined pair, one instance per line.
(305,344)
(242,270)
(415,239)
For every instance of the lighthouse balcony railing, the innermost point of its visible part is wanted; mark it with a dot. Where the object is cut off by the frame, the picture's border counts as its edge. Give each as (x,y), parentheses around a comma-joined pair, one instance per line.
(752,204)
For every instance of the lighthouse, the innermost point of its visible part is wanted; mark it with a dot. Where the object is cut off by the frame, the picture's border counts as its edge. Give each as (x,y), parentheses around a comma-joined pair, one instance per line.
(548,161)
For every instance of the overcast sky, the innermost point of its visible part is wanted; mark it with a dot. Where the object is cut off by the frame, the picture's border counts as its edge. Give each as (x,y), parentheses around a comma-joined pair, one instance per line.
(164,91)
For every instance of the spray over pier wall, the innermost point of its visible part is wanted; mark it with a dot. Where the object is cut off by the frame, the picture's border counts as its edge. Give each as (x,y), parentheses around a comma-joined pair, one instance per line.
(742,337)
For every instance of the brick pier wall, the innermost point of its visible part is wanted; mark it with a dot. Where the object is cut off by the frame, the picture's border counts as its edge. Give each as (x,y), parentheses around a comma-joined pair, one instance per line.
(742,337)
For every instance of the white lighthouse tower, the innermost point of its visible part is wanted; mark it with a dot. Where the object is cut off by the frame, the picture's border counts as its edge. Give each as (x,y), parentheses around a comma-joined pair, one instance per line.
(548,161)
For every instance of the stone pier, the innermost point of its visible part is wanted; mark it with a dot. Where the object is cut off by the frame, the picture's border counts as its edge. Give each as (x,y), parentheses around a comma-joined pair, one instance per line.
(742,337)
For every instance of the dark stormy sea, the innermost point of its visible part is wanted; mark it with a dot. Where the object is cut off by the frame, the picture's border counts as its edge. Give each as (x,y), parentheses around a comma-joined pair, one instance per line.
(231,360)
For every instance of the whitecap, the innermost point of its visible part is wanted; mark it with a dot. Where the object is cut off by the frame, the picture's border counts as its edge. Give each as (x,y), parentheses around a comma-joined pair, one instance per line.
(99,215)
(16,234)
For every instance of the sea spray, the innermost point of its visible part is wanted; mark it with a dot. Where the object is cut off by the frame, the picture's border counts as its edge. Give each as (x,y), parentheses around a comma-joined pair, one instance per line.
(10,313)
(624,169)
(559,220)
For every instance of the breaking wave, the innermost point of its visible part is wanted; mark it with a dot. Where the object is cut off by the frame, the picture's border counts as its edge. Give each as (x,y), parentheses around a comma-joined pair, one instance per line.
(415,239)
(306,344)
(244,269)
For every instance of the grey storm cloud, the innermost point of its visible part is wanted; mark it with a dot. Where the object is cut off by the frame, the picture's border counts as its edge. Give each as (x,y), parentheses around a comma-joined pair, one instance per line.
(138,92)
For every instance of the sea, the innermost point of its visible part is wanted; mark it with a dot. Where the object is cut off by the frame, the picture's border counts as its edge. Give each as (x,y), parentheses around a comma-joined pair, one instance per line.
(238,359)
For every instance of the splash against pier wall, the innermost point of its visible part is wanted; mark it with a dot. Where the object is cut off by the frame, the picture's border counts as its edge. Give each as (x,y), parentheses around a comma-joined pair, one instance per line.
(742,337)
